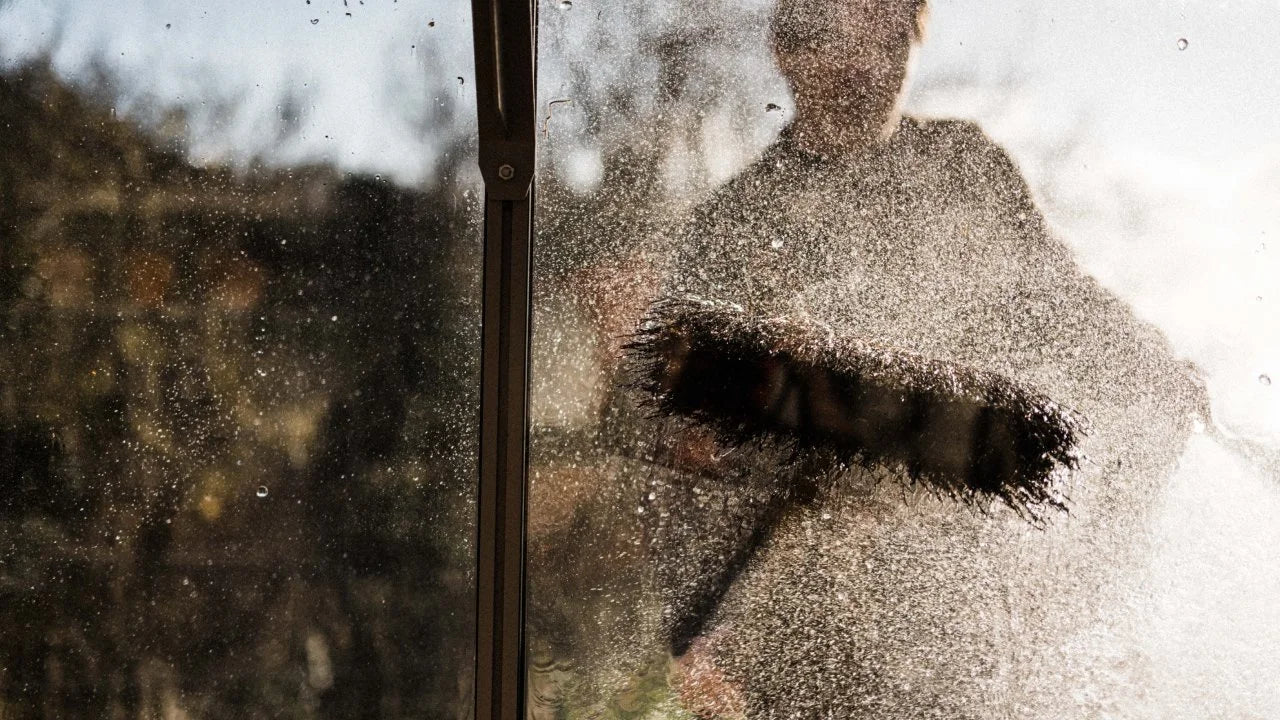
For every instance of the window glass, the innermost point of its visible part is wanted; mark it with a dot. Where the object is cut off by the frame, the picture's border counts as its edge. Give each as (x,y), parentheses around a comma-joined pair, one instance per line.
(906,360)
(238,358)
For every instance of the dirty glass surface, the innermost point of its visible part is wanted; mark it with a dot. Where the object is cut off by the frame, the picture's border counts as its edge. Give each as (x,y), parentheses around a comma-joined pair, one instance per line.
(238,356)
(905,361)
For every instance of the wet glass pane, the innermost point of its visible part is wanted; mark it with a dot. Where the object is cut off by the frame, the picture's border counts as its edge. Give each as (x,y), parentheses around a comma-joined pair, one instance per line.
(905,360)
(239,246)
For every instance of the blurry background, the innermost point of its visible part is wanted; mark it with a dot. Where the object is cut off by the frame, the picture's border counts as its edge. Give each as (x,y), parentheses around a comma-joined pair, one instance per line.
(289,136)
(237,363)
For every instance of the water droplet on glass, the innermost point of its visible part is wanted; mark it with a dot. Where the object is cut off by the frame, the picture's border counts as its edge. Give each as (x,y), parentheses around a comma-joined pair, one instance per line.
(653,496)
(1265,379)
(262,491)
(776,244)
(772,107)
(640,510)
(1183,44)
(334,318)
(168,25)
(566,4)
(315,21)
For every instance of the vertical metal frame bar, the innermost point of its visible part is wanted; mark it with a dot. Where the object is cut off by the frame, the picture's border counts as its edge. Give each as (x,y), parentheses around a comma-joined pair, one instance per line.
(505,51)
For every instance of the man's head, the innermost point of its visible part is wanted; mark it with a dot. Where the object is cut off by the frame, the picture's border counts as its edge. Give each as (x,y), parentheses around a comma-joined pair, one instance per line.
(847,62)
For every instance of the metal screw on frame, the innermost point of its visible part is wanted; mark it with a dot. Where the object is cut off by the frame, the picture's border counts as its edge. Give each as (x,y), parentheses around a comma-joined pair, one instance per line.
(506,172)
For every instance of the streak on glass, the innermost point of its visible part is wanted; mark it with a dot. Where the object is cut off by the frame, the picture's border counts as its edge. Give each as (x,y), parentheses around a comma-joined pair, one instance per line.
(960,413)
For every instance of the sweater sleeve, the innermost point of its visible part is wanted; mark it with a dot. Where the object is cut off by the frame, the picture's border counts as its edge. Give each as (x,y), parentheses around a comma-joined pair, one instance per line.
(1112,364)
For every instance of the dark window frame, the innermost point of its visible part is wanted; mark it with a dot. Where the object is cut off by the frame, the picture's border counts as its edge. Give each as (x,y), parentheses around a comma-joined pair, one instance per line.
(506,97)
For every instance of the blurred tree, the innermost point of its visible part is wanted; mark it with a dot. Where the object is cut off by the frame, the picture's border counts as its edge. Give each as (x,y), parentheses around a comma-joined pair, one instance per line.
(236,430)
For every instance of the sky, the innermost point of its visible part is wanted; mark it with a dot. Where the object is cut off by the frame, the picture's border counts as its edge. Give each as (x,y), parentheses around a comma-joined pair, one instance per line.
(372,91)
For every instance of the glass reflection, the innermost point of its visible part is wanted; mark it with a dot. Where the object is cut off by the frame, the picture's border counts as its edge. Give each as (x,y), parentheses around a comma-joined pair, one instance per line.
(237,360)
(783,490)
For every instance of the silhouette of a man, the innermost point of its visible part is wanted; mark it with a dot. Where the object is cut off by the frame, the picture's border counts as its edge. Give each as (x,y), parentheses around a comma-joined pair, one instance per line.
(865,596)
